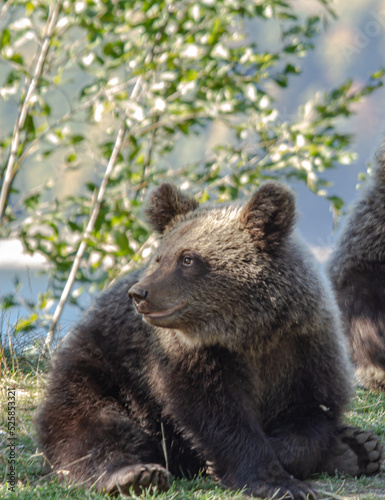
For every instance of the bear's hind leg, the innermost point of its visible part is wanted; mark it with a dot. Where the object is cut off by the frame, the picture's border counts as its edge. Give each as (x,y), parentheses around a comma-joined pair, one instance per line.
(358,452)
(101,446)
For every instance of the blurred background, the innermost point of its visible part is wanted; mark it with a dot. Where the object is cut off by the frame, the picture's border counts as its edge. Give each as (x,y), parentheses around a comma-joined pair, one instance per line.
(353,45)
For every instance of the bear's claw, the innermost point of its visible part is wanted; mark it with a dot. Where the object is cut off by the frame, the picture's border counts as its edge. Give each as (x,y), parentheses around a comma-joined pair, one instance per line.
(139,477)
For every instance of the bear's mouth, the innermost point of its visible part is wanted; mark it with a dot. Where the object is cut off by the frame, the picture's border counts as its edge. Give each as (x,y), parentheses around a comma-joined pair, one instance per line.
(159,314)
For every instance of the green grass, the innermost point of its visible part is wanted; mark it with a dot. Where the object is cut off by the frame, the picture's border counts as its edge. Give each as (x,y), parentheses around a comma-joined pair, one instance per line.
(368,411)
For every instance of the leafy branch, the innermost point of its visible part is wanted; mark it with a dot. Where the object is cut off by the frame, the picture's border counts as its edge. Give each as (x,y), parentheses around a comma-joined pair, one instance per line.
(12,165)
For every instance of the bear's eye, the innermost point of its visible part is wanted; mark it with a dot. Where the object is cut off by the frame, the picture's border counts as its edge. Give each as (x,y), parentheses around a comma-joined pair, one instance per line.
(187,260)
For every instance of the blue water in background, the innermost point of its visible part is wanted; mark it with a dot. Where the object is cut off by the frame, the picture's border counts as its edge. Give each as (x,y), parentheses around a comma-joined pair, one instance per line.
(33,281)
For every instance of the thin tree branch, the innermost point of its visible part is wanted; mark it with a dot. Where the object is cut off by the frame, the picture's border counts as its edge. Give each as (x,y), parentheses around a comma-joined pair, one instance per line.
(86,234)
(20,122)
(5,7)
(147,162)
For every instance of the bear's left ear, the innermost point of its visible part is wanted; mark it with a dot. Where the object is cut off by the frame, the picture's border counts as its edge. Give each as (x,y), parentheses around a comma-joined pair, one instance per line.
(270,214)
(165,203)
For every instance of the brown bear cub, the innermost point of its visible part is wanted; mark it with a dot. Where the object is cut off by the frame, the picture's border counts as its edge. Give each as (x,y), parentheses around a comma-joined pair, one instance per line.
(223,355)
(357,271)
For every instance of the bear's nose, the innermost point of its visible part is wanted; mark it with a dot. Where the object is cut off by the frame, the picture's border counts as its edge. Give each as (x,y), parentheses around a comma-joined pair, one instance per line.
(138,293)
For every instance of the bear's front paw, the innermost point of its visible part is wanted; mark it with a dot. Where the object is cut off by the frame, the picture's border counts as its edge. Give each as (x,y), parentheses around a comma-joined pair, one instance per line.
(290,488)
(358,452)
(139,477)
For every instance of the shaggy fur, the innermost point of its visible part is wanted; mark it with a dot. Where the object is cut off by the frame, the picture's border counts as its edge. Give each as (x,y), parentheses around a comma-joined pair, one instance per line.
(357,271)
(228,359)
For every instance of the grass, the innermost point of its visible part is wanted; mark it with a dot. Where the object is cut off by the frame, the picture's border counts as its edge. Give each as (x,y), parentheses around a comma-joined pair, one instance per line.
(368,411)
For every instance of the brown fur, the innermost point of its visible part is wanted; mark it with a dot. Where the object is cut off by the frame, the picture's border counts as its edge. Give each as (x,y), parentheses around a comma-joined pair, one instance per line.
(357,271)
(239,365)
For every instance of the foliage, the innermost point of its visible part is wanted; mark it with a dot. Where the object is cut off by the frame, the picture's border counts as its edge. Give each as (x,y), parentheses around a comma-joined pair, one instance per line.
(167,73)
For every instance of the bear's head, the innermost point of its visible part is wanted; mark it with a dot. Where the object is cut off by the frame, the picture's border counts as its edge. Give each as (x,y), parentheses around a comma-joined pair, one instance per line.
(222,272)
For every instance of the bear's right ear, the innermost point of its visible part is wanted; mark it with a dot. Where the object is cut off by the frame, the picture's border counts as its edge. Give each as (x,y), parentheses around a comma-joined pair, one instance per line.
(165,203)
(270,214)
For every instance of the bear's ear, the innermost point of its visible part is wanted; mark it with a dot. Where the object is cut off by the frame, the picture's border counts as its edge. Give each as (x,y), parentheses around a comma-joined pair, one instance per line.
(270,214)
(165,203)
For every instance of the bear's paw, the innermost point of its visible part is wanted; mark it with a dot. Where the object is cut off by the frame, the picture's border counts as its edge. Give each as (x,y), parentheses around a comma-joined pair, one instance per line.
(282,489)
(358,452)
(139,477)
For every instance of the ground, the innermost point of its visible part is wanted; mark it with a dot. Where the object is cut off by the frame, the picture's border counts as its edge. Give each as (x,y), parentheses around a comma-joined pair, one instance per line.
(368,411)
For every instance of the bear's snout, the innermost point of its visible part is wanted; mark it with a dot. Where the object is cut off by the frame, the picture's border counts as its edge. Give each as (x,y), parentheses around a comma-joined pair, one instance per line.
(148,302)
(138,293)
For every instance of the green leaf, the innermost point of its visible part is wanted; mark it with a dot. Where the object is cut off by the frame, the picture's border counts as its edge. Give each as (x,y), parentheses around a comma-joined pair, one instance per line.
(114,50)
(27,325)
(337,202)
(32,201)
(76,139)
(17,58)
(5,38)
(122,241)
(8,301)
(71,158)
